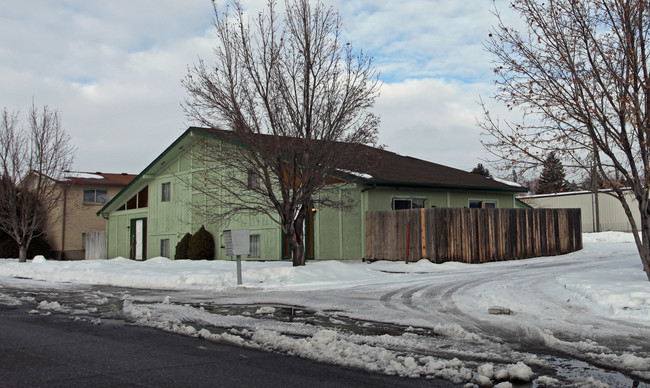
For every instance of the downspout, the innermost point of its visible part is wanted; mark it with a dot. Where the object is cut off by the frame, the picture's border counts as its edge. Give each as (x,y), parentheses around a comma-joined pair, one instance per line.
(364,209)
(63,222)
(340,226)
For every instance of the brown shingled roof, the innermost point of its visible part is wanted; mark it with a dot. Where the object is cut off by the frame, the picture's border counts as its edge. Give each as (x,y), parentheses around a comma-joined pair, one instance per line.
(375,166)
(103,179)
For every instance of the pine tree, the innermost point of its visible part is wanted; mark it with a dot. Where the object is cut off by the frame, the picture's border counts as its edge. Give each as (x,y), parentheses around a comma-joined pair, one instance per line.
(479,169)
(182,247)
(201,245)
(553,178)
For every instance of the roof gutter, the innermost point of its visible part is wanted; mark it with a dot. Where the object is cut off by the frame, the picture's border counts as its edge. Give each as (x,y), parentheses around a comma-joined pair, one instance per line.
(457,187)
(374,186)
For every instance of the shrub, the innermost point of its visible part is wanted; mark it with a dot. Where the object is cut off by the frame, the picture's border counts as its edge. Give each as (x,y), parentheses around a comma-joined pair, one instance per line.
(39,246)
(9,248)
(182,247)
(201,245)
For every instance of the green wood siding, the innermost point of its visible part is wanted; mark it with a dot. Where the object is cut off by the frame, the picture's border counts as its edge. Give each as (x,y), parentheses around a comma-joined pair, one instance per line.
(338,233)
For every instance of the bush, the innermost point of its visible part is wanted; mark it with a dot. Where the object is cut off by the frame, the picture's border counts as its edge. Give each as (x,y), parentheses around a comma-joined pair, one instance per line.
(182,247)
(39,246)
(9,248)
(201,245)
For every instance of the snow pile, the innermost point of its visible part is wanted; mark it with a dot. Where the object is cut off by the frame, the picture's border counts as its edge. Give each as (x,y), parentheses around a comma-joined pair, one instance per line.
(326,346)
(39,259)
(519,373)
(163,273)
(8,300)
(572,303)
(608,237)
(53,306)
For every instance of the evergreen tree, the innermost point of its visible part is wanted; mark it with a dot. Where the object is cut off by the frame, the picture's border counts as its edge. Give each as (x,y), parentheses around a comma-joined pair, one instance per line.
(479,169)
(201,245)
(553,178)
(182,247)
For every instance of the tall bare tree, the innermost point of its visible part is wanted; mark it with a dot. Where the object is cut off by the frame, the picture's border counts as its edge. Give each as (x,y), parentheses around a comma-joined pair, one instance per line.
(579,72)
(292,95)
(32,162)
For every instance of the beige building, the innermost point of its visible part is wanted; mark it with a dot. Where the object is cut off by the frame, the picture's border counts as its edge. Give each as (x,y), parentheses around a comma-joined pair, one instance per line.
(611,215)
(74,230)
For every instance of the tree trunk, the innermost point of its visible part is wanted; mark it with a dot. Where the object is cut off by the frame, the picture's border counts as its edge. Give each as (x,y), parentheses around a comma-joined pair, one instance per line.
(22,254)
(298,252)
(644,250)
(296,236)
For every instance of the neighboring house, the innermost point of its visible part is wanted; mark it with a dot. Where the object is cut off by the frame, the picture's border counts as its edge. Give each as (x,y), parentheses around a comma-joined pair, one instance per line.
(74,223)
(610,211)
(150,215)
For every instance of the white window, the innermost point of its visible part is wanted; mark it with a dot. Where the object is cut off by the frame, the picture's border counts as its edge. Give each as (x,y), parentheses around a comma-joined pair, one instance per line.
(164,247)
(479,204)
(256,249)
(95,196)
(166,192)
(408,203)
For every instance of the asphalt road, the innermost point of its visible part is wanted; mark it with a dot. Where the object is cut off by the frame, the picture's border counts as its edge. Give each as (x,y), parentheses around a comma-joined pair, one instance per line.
(56,351)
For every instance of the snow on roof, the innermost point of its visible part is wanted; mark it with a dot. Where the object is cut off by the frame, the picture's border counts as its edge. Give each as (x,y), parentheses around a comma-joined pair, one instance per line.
(565,193)
(505,182)
(357,174)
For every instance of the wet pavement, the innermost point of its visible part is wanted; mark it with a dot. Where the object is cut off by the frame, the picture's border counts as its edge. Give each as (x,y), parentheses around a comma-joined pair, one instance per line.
(94,304)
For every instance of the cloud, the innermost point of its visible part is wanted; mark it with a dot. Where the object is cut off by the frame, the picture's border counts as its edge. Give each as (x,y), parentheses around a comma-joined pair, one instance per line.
(113,69)
(432,119)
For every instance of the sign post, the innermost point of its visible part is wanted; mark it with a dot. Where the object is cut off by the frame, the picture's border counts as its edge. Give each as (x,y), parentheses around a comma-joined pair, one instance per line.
(237,242)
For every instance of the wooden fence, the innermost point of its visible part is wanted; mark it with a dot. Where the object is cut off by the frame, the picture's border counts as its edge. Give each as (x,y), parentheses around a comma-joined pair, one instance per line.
(471,235)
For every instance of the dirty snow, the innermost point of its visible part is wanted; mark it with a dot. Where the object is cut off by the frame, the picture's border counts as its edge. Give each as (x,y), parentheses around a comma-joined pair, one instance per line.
(576,304)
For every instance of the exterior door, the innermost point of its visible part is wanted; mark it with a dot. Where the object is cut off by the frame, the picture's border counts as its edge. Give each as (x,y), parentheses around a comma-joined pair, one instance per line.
(139,239)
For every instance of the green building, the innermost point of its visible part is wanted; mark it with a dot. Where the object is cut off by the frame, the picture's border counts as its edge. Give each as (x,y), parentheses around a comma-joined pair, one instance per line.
(150,215)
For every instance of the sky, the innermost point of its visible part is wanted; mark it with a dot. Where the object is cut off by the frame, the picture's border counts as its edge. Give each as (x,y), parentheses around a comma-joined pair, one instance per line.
(418,319)
(113,69)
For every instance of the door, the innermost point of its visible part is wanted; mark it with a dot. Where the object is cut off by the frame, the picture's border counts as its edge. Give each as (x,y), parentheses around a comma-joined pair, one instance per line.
(138,239)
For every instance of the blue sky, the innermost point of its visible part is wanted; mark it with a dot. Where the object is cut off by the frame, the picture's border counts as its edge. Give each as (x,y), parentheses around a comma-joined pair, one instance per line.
(113,69)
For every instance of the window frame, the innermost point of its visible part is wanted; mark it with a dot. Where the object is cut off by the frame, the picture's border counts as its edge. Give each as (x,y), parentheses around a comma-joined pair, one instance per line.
(482,203)
(253,180)
(165,247)
(410,201)
(165,192)
(95,196)
(258,245)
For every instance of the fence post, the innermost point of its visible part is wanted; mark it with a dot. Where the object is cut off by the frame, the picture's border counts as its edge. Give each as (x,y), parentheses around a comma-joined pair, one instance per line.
(408,238)
(423,233)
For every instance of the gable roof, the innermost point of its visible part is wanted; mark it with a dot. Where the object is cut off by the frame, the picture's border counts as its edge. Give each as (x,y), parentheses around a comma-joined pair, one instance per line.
(99,179)
(372,167)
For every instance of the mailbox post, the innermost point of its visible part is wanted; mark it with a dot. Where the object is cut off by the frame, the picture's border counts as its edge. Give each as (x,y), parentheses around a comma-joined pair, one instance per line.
(237,242)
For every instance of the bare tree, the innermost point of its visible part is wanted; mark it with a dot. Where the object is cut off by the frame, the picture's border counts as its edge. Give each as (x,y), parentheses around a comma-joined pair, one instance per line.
(32,163)
(579,72)
(292,96)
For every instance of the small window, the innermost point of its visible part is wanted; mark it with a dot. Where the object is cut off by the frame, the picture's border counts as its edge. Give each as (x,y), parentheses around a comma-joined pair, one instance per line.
(166,192)
(478,204)
(255,248)
(253,180)
(139,200)
(164,247)
(95,196)
(408,203)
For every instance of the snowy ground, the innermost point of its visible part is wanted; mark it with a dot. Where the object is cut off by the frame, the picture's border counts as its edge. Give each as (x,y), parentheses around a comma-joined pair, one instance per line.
(581,319)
